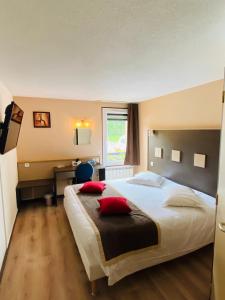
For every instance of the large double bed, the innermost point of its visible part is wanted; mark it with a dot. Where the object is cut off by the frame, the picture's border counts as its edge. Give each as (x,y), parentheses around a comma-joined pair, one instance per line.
(182,229)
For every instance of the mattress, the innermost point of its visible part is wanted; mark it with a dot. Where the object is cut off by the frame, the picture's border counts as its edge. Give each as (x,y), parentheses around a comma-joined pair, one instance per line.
(182,229)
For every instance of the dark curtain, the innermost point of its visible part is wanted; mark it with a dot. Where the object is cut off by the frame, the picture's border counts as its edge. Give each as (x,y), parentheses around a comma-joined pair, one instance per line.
(133,146)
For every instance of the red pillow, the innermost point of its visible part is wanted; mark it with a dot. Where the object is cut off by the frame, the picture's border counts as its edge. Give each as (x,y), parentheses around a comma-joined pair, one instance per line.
(96,187)
(113,205)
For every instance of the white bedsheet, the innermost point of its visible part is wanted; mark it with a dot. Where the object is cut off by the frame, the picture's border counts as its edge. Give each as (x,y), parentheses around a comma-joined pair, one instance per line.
(183,229)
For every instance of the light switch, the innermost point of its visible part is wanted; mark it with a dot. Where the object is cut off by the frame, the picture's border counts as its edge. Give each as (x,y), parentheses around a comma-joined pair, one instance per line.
(175,155)
(158,152)
(151,163)
(199,160)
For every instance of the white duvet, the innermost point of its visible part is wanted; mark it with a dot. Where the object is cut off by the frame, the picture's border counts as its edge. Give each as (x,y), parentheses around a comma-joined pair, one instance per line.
(183,229)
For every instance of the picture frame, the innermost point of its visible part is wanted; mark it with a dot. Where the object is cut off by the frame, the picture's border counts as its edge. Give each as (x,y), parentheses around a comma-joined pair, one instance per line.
(41,119)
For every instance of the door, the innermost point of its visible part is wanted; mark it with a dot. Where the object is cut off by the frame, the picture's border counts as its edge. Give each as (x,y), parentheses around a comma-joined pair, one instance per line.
(219,250)
(2,227)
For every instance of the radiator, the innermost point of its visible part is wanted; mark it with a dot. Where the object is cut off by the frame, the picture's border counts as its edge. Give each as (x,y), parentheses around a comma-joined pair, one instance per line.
(118,172)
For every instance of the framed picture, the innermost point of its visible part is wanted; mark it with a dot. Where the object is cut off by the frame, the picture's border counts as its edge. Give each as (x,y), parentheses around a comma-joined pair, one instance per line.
(41,119)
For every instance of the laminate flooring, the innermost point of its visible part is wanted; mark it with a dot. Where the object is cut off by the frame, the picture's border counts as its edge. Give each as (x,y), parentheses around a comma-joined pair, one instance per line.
(43,263)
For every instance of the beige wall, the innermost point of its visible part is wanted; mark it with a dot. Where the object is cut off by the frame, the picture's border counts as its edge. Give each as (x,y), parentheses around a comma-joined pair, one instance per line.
(57,142)
(198,107)
(195,108)
(8,173)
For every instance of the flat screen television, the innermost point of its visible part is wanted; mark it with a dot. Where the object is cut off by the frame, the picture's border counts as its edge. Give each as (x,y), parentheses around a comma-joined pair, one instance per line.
(10,129)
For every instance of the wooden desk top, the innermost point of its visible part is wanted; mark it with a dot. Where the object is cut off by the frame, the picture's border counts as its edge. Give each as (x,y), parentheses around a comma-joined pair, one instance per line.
(72,168)
(64,169)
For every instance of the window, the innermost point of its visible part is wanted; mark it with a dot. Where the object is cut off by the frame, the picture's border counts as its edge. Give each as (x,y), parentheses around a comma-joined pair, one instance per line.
(114,136)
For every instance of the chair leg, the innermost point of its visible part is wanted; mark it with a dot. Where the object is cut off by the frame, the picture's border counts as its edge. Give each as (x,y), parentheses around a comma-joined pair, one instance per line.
(93,288)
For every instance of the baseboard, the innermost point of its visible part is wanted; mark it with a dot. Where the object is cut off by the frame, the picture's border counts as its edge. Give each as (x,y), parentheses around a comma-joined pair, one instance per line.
(7,250)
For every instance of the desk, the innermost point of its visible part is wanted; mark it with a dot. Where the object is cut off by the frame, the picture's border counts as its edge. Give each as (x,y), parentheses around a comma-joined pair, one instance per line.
(34,189)
(68,172)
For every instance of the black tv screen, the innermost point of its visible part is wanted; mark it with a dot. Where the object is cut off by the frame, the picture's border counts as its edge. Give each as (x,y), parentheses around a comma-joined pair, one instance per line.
(11,127)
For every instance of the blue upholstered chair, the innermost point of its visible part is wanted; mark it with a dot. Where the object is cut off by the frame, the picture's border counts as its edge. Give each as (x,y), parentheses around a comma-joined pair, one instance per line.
(83,173)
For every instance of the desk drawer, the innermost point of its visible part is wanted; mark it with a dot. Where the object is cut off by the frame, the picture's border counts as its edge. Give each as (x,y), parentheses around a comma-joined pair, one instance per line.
(65,175)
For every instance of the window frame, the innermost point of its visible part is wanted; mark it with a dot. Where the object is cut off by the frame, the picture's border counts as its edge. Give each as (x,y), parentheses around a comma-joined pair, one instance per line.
(105,112)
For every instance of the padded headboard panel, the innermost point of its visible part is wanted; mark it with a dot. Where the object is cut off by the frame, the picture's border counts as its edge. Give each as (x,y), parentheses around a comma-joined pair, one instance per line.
(188,142)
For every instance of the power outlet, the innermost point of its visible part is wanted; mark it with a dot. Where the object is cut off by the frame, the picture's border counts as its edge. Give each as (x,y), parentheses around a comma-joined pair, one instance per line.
(152,164)
(27,165)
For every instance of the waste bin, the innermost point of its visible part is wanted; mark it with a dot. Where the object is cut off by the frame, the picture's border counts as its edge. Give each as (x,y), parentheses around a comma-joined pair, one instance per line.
(48,199)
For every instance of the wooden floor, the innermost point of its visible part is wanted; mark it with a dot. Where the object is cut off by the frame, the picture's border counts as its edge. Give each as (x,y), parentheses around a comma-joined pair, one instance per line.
(44,264)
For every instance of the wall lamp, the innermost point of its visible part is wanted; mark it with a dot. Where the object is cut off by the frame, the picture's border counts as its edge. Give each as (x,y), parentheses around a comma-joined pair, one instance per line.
(82,124)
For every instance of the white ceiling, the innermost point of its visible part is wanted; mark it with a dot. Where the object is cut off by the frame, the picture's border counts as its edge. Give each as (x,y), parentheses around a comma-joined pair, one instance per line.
(118,50)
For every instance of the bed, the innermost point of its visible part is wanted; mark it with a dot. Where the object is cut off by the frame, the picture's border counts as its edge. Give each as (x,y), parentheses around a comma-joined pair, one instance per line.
(182,229)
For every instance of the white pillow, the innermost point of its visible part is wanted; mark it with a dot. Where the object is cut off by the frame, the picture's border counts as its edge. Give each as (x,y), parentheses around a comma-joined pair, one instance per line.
(182,196)
(147,178)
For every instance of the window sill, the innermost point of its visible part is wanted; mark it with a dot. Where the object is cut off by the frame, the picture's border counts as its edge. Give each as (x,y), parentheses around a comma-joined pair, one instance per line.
(116,166)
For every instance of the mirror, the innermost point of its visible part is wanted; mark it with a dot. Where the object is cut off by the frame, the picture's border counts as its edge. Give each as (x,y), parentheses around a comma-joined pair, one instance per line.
(82,136)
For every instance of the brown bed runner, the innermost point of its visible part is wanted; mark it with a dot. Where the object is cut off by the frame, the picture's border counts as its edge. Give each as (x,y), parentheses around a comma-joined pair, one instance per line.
(120,234)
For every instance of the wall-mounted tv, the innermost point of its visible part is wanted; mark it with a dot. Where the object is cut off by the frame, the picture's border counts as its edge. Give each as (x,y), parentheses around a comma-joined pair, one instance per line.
(10,129)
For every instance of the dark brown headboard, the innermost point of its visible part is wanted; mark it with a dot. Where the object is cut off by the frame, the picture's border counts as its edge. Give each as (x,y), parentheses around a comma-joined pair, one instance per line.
(188,142)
